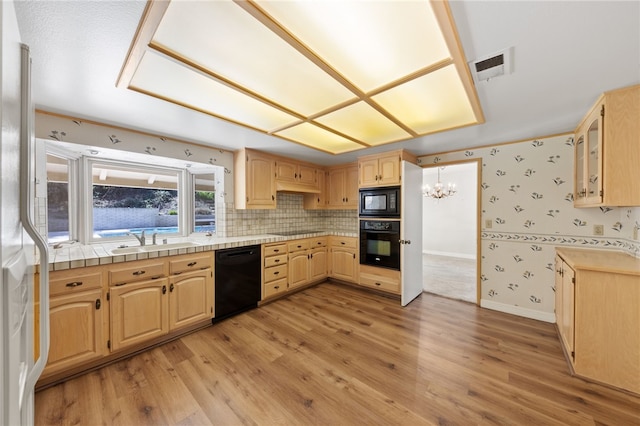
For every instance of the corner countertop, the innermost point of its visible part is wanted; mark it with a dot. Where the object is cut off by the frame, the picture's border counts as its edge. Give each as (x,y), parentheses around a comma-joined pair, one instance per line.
(71,256)
(600,260)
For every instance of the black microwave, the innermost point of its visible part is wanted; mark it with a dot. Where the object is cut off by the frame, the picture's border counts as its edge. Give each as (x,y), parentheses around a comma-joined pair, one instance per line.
(380,202)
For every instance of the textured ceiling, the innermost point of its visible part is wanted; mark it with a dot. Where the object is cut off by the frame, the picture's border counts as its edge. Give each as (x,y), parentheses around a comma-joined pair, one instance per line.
(565,55)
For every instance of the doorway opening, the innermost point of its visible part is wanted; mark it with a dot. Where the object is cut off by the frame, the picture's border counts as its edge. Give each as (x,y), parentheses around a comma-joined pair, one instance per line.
(450,232)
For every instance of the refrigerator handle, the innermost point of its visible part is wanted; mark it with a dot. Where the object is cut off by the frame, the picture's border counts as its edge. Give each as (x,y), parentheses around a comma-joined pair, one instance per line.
(27,181)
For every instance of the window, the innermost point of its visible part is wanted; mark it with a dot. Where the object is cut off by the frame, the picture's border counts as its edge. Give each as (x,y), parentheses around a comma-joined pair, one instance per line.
(59,223)
(97,194)
(204,203)
(128,198)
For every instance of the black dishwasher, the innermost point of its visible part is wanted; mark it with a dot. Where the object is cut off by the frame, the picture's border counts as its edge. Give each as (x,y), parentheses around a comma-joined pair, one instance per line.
(237,283)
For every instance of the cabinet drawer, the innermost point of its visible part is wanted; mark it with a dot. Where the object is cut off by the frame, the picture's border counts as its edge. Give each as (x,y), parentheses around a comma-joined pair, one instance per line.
(275,260)
(275,272)
(190,263)
(275,287)
(73,280)
(348,242)
(274,249)
(138,271)
(317,242)
(298,245)
(380,278)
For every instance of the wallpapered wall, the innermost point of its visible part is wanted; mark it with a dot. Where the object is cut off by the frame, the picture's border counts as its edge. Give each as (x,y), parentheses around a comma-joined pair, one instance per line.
(527,195)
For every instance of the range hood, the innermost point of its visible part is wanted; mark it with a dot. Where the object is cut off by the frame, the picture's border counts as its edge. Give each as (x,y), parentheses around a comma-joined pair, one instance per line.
(296,188)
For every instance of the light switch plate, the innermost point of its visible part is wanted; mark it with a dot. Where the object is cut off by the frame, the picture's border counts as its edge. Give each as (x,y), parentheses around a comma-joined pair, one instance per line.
(598,229)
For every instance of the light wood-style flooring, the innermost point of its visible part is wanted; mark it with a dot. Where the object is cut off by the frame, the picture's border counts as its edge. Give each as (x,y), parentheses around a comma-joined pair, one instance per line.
(449,276)
(337,355)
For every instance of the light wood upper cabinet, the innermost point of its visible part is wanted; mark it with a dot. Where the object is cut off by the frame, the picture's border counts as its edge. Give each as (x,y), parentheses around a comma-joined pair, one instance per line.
(254,181)
(342,187)
(382,169)
(296,174)
(607,151)
(317,201)
(598,320)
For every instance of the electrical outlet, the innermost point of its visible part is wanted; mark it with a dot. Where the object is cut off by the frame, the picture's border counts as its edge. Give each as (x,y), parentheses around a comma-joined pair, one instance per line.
(488,224)
(598,229)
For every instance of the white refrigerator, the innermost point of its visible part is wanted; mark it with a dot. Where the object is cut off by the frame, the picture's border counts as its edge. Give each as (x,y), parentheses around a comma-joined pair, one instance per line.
(21,247)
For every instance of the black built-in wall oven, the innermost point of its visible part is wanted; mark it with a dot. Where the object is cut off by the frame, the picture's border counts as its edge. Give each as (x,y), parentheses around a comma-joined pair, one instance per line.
(380,243)
(379,232)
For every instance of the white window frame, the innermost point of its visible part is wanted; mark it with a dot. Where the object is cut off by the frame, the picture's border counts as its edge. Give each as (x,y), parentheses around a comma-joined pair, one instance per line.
(87,198)
(73,188)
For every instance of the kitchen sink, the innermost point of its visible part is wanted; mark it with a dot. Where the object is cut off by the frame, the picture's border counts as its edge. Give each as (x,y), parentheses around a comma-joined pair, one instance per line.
(157,247)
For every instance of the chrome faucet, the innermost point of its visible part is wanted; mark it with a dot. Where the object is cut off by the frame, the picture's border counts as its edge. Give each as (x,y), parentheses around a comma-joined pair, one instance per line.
(155,234)
(141,239)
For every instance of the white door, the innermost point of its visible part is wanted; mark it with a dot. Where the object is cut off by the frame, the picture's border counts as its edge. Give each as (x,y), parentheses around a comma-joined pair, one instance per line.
(411,232)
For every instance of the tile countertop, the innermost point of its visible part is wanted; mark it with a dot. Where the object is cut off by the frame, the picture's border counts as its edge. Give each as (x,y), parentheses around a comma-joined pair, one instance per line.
(71,256)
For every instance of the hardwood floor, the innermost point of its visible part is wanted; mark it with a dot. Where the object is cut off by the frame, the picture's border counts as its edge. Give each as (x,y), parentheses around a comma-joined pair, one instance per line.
(337,355)
(449,276)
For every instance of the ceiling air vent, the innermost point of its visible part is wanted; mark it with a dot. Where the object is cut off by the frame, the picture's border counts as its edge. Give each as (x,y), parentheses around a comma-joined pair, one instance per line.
(491,66)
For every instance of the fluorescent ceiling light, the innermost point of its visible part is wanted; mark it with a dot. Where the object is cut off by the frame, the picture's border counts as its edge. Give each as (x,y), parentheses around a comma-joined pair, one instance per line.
(333,75)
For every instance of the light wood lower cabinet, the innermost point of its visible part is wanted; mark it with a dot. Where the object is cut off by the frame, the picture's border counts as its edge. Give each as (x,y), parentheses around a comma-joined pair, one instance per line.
(343,258)
(382,279)
(319,263)
(191,298)
(98,313)
(274,270)
(139,312)
(77,319)
(599,315)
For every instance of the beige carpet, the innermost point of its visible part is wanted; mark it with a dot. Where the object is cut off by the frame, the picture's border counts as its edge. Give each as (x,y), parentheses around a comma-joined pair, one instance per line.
(451,277)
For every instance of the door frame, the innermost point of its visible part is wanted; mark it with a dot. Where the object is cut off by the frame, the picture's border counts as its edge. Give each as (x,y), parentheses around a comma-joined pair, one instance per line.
(478,162)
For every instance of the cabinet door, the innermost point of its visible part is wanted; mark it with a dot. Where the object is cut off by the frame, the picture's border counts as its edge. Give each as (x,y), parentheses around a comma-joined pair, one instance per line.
(139,312)
(593,145)
(307,175)
(317,201)
(389,170)
(558,290)
(344,264)
(567,329)
(261,191)
(76,327)
(319,262)
(190,298)
(286,171)
(335,187)
(351,187)
(298,268)
(368,173)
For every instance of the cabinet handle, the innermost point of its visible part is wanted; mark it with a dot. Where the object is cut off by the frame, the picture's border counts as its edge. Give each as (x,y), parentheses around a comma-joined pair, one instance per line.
(164,289)
(140,272)
(192,264)
(342,242)
(171,287)
(276,287)
(276,272)
(299,246)
(378,284)
(276,250)
(354,255)
(276,261)
(98,304)
(74,284)
(273,198)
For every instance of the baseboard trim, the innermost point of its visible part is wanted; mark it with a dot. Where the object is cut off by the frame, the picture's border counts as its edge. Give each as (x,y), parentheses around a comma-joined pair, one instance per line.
(518,310)
(450,254)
